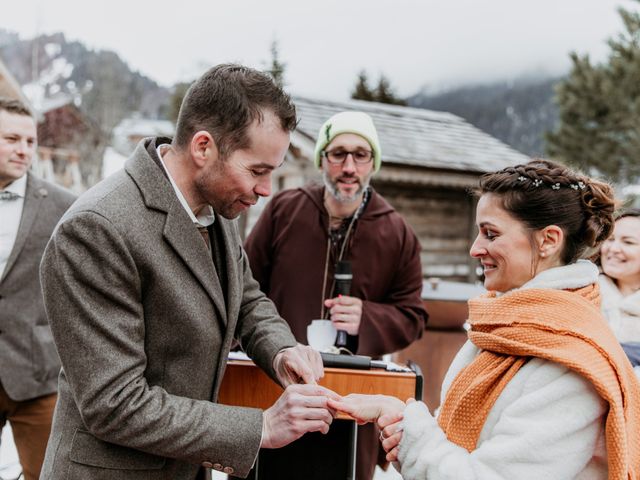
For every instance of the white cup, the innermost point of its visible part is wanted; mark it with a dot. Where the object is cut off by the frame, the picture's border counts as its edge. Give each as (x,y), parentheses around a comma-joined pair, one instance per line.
(321,334)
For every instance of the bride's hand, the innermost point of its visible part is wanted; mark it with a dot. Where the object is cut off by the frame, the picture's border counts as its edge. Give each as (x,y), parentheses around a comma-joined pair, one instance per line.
(368,408)
(391,433)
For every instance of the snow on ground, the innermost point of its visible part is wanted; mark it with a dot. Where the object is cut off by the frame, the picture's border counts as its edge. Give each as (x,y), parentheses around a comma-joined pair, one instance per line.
(9,465)
(10,468)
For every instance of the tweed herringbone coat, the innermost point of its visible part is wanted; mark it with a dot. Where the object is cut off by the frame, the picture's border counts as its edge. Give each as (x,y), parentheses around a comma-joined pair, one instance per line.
(143,327)
(29,364)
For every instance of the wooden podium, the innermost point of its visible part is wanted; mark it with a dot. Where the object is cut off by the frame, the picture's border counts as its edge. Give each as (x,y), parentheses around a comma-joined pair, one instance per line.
(314,456)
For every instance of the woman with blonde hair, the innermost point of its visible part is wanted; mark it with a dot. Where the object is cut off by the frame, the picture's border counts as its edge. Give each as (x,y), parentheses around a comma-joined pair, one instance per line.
(542,389)
(620,279)
(620,282)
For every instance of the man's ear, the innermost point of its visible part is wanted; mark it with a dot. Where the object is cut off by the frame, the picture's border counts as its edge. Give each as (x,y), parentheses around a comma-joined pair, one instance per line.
(550,241)
(202,147)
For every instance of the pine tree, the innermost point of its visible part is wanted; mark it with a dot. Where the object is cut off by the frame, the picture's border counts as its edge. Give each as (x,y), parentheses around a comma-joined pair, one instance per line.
(599,106)
(277,68)
(384,93)
(362,91)
(179,91)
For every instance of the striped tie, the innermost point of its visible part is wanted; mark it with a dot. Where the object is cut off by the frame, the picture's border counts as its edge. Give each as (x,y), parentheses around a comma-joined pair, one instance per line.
(205,236)
(216,254)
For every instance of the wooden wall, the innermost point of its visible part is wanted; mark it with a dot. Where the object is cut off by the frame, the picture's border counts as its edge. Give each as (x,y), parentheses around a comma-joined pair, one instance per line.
(443,219)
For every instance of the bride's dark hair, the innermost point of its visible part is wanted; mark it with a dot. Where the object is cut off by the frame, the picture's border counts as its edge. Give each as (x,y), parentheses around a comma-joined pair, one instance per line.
(542,193)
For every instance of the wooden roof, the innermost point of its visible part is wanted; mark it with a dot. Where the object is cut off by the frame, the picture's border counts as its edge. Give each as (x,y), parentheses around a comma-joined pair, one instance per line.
(415,136)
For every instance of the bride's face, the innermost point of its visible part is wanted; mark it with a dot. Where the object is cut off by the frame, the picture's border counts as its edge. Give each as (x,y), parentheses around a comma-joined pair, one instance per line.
(503,246)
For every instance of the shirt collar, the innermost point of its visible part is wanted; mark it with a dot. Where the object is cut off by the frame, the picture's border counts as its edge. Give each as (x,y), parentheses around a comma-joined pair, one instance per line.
(206,216)
(19,186)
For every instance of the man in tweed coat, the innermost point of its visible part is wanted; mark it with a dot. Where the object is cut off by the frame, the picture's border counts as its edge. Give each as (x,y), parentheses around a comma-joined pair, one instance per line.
(29,365)
(146,285)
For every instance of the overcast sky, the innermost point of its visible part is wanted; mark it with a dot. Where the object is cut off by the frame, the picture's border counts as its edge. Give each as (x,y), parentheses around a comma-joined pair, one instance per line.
(415,43)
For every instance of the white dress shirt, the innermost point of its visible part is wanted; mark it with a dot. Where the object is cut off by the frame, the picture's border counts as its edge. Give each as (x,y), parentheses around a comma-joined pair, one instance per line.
(10,216)
(206,216)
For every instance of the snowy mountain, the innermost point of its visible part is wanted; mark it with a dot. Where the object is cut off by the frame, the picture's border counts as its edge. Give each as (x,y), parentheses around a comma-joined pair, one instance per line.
(517,112)
(105,87)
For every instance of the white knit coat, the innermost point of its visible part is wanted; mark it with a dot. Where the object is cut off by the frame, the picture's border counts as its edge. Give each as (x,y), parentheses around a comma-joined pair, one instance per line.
(547,424)
(622,313)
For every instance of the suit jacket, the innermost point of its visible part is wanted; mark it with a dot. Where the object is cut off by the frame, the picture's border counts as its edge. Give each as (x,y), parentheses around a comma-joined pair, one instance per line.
(143,327)
(29,364)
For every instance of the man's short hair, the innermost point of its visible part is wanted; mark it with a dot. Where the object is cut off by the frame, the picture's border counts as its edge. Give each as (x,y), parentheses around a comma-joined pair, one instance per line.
(225,101)
(14,106)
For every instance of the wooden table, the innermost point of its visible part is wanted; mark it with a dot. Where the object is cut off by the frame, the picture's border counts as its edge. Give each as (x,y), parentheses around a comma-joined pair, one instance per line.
(314,456)
(246,385)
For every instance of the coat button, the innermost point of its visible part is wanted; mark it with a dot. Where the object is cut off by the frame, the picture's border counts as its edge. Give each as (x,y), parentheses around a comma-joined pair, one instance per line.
(207,464)
(228,470)
(217,466)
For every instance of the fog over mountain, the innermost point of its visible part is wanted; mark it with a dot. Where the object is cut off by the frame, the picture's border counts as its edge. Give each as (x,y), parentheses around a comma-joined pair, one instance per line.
(517,112)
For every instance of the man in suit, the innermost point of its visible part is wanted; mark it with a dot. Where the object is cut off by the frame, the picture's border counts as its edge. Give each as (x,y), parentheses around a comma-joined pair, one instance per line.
(29,365)
(146,285)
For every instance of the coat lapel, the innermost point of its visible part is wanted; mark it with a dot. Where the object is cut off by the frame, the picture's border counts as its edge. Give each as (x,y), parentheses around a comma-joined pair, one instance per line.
(231,258)
(34,195)
(185,239)
(178,229)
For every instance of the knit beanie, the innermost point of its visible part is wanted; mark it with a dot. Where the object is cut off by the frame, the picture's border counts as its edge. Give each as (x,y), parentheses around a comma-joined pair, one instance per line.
(358,123)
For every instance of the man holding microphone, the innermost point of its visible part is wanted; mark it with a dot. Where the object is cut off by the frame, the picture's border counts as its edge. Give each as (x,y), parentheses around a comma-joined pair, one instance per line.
(305,235)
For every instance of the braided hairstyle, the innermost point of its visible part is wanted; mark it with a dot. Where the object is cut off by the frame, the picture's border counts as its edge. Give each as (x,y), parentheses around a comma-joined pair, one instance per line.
(542,193)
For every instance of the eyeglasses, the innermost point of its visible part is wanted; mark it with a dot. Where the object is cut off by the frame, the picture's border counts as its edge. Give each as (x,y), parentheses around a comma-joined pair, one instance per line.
(339,156)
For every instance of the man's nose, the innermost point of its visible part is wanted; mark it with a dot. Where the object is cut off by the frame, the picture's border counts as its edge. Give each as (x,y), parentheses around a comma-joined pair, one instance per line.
(263,187)
(349,164)
(23,147)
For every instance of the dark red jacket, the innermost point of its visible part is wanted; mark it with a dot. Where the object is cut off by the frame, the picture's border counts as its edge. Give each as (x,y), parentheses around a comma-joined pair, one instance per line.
(287,251)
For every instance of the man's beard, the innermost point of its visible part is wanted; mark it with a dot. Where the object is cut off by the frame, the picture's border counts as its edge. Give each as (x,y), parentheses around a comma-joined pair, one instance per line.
(332,188)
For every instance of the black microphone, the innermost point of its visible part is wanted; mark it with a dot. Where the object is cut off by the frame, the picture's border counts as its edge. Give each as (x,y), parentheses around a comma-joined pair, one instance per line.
(342,278)
(358,362)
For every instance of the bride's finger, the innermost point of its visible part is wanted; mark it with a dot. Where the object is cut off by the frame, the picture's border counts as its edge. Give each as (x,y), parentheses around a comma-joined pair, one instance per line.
(389,443)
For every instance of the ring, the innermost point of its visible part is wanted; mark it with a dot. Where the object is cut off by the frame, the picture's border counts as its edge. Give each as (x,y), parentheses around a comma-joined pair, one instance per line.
(382,439)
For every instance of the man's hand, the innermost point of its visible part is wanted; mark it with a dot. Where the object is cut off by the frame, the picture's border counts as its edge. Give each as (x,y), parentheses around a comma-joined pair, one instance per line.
(299,364)
(300,409)
(346,313)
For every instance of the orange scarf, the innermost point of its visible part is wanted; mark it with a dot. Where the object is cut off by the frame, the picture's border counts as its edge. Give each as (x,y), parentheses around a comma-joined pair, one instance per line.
(565,327)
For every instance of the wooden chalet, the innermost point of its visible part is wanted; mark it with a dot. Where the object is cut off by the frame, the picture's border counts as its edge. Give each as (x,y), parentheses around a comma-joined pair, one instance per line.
(70,143)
